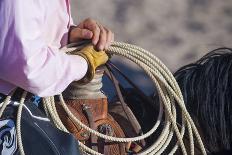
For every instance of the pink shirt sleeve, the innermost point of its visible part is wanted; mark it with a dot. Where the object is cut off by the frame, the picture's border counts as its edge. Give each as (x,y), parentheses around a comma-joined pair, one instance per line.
(26,60)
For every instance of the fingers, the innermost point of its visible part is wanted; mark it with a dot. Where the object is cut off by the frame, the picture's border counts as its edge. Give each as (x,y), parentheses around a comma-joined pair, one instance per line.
(92,26)
(79,34)
(106,38)
(110,38)
(102,37)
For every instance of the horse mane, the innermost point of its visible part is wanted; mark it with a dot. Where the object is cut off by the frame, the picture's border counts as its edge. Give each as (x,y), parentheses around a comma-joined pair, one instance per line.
(207,89)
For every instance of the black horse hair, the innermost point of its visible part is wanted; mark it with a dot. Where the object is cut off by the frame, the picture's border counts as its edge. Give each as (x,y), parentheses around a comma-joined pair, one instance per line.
(207,89)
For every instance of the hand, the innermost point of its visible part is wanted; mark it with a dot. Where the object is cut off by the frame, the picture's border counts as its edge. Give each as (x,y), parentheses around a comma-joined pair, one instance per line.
(94,59)
(101,36)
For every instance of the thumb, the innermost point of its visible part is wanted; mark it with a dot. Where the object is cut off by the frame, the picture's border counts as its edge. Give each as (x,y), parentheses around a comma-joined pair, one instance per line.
(79,33)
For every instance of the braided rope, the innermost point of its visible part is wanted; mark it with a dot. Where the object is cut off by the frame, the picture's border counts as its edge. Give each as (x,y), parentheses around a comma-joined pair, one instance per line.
(5,103)
(18,123)
(169,94)
(170,79)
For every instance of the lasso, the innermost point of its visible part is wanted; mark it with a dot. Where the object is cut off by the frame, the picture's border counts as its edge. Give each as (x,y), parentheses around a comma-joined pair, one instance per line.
(170,98)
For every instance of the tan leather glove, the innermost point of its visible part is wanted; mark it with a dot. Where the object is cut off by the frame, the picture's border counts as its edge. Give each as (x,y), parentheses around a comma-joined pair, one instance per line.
(94,59)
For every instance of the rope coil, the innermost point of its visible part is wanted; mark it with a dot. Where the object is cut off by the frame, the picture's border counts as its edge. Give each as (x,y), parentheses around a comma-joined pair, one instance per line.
(170,98)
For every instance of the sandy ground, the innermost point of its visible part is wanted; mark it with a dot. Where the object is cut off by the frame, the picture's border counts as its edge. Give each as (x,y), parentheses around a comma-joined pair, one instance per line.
(176,31)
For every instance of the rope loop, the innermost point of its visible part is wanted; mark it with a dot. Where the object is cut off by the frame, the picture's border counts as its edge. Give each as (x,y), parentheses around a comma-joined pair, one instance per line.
(170,97)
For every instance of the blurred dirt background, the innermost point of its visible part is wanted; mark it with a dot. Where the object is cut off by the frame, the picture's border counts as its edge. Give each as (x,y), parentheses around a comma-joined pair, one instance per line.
(176,31)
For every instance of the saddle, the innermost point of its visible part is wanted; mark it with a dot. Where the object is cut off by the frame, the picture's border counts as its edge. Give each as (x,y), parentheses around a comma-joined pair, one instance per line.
(93,109)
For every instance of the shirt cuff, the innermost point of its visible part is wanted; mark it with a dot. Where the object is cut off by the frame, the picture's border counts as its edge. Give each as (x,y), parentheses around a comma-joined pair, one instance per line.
(79,66)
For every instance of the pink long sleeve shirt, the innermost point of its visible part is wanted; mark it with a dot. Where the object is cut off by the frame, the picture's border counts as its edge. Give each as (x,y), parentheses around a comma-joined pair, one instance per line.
(31,34)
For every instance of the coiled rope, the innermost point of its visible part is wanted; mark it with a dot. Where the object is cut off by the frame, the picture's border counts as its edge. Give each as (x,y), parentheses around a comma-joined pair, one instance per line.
(170,98)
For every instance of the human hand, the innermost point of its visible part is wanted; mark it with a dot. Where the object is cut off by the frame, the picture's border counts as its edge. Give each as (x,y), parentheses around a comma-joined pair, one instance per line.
(101,36)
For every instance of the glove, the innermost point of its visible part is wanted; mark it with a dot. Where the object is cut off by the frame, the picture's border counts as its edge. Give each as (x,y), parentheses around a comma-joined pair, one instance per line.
(94,59)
